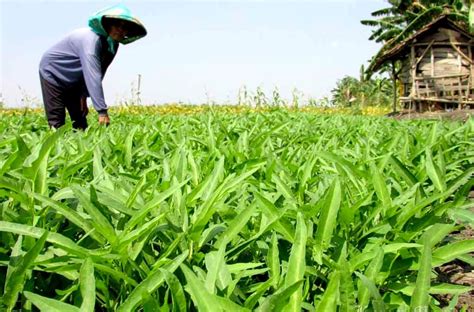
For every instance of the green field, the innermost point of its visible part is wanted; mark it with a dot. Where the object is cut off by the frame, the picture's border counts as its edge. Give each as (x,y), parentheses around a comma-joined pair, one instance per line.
(221,211)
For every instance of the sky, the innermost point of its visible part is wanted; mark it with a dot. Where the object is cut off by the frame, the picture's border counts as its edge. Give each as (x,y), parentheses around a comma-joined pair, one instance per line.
(198,51)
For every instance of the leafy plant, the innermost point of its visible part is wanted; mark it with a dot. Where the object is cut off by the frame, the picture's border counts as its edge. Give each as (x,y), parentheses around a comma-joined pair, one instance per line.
(271,210)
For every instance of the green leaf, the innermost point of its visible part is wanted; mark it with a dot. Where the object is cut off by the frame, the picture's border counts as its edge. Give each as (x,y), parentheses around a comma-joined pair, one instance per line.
(421,297)
(19,157)
(235,226)
(50,305)
(451,251)
(128,145)
(282,187)
(100,222)
(98,170)
(437,232)
(280,298)
(377,302)
(281,225)
(202,298)
(453,289)
(138,188)
(208,186)
(154,280)
(412,210)
(463,215)
(54,238)
(381,189)
(403,171)
(297,263)
(71,215)
(439,289)
(128,237)
(214,262)
(87,283)
(329,299)
(328,218)
(273,261)
(346,285)
(434,172)
(179,300)
(210,233)
(368,279)
(16,279)
(152,204)
(395,247)
(38,170)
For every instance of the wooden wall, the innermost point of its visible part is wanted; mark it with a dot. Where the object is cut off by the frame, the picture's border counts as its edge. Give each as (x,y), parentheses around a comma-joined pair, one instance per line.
(439,66)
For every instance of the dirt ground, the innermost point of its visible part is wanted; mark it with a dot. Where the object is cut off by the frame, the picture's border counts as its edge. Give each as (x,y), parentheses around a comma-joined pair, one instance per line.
(461,115)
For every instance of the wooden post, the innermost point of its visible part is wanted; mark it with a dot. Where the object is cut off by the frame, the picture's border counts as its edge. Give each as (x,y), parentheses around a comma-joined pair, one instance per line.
(435,95)
(414,91)
(469,79)
(432,63)
(139,100)
(395,91)
(459,81)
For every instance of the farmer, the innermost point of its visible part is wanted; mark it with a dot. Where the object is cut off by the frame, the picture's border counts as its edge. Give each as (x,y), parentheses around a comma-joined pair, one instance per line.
(73,69)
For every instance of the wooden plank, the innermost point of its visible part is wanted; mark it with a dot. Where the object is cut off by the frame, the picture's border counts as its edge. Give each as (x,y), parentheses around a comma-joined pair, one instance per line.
(443,76)
(413,71)
(469,85)
(454,88)
(460,95)
(430,99)
(461,53)
(442,44)
(447,61)
(440,51)
(432,61)
(424,52)
(441,70)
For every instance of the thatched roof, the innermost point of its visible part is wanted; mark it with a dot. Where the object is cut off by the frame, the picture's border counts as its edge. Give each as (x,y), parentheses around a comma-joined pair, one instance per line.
(390,52)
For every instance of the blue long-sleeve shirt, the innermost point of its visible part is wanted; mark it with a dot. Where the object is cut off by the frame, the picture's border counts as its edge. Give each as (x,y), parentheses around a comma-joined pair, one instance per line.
(81,58)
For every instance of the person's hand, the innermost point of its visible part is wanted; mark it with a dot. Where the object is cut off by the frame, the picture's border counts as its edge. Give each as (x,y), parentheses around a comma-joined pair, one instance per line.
(104,120)
(84,108)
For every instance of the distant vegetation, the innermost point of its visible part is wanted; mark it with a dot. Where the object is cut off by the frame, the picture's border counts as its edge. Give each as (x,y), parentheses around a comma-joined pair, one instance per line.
(391,25)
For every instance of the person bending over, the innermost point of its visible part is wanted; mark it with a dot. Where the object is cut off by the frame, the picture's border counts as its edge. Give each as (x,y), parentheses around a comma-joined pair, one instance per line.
(73,69)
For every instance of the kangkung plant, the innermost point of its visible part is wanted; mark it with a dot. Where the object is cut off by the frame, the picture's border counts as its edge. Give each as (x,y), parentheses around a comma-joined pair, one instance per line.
(215,211)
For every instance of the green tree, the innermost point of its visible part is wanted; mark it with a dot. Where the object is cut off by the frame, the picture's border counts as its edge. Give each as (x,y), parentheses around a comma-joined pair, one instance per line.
(402,18)
(362,92)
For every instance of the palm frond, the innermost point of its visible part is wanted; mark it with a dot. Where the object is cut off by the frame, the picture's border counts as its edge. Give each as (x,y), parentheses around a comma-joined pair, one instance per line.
(370,23)
(383,12)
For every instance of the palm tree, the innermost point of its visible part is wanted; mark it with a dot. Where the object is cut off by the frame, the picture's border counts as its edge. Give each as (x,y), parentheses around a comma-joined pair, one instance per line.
(358,93)
(402,18)
(346,91)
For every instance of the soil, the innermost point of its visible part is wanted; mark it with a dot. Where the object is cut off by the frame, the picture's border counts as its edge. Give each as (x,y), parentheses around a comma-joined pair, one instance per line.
(460,115)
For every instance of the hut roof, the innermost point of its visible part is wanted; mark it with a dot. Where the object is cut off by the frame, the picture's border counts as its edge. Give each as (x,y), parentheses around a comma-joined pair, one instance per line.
(389,52)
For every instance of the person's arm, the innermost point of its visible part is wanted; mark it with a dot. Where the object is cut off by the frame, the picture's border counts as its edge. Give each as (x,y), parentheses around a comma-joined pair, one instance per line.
(89,54)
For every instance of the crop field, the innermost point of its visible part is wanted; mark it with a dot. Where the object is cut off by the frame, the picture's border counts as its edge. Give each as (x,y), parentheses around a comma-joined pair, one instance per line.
(234,211)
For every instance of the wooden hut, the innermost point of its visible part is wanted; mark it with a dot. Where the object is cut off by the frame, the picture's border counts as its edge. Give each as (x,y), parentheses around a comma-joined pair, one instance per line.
(436,69)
